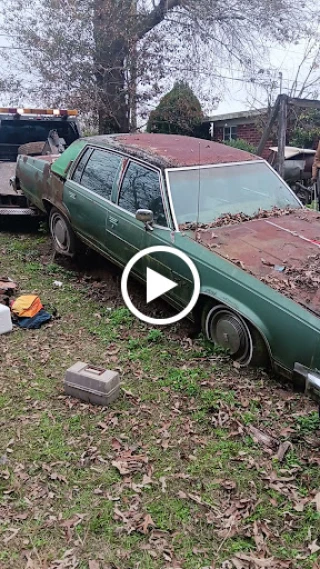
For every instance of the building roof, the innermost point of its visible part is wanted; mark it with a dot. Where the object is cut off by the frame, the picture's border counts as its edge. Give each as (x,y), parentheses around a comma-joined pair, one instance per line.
(238,115)
(168,150)
(292,151)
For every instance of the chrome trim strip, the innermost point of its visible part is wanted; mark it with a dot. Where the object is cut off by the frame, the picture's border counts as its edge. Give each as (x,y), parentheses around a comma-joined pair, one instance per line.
(75,163)
(205,166)
(173,213)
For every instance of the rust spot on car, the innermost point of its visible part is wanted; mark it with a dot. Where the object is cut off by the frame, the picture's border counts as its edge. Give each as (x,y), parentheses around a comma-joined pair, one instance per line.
(283,252)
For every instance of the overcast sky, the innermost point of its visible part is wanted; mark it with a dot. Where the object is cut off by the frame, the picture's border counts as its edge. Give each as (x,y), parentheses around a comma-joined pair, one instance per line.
(237,93)
(241,95)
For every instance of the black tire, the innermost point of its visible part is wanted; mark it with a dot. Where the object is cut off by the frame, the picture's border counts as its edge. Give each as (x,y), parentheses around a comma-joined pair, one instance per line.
(224,327)
(63,237)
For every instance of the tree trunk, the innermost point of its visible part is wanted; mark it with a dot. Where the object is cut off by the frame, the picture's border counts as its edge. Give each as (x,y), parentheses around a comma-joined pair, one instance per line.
(111,53)
(117,27)
(133,88)
(113,100)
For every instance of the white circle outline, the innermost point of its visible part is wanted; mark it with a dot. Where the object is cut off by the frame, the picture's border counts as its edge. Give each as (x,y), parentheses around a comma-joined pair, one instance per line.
(149,319)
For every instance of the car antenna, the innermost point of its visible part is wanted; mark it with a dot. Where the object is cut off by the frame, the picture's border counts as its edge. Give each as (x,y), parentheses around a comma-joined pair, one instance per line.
(199,188)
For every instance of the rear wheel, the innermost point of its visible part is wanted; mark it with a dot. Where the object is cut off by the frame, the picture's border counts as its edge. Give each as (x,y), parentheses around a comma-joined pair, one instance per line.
(64,239)
(224,327)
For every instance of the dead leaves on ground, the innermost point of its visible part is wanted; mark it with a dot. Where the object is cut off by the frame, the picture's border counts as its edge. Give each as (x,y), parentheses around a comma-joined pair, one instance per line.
(127,441)
(129,462)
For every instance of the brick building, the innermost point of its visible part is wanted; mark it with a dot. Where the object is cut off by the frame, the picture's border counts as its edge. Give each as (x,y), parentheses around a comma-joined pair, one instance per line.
(247,125)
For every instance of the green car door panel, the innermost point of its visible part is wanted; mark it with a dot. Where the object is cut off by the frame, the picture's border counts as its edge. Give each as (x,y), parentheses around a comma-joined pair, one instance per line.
(87,194)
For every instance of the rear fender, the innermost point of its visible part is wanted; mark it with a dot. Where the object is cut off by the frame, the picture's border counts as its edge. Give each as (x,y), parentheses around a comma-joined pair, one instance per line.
(49,204)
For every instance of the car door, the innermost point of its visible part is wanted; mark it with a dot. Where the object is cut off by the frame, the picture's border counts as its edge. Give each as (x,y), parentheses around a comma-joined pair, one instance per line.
(87,194)
(164,235)
(143,188)
(140,189)
(170,266)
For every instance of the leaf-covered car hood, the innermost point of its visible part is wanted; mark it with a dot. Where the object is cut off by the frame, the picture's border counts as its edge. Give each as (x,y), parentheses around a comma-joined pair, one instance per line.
(283,252)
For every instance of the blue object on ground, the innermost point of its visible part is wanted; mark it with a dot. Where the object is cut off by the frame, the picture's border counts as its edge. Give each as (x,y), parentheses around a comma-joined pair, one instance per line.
(36,321)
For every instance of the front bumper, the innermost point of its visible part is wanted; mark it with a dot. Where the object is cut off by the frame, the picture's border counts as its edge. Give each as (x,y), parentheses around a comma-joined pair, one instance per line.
(310,379)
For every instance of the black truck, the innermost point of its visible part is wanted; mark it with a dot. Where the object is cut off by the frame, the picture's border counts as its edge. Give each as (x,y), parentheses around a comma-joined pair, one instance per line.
(32,132)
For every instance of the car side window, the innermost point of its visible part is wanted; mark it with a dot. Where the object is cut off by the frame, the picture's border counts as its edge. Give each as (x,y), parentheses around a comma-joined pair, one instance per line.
(100,172)
(80,166)
(141,190)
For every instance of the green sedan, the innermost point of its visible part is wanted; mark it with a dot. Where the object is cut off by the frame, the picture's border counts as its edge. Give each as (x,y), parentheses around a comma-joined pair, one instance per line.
(257,250)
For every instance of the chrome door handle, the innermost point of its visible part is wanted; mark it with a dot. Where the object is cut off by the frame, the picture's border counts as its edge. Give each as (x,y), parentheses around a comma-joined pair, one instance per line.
(113,221)
(72,196)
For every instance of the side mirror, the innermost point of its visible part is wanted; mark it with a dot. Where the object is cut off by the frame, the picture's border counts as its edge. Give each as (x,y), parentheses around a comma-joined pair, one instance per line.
(146,216)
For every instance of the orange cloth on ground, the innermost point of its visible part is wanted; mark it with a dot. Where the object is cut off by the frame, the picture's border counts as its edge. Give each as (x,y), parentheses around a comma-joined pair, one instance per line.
(26,306)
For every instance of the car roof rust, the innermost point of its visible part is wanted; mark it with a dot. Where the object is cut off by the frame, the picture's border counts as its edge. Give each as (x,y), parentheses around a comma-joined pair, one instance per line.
(168,150)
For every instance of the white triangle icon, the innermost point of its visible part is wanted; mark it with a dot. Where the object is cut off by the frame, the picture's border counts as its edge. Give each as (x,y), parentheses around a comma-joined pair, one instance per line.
(157,285)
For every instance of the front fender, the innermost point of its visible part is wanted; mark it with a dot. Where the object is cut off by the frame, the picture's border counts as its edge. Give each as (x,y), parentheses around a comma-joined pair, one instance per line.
(240,308)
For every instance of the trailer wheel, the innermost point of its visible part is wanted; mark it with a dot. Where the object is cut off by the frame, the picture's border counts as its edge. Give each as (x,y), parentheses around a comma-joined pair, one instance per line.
(64,239)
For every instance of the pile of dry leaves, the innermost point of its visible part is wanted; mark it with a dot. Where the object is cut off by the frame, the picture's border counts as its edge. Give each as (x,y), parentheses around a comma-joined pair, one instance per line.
(234,218)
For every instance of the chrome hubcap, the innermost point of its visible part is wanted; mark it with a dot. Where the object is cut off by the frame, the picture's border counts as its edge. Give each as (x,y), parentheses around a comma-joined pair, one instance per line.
(230,331)
(60,233)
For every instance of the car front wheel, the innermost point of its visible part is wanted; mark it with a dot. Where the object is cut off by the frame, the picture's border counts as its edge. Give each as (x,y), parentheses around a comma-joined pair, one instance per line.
(225,328)
(63,237)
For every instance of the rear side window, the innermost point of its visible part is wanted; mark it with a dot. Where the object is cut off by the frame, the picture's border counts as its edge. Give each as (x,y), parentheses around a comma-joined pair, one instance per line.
(80,167)
(141,190)
(99,173)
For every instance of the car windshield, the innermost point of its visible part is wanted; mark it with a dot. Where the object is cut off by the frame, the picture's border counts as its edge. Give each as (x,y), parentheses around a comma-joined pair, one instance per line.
(205,194)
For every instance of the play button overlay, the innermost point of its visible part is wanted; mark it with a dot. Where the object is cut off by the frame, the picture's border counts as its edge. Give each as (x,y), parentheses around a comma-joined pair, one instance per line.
(157,284)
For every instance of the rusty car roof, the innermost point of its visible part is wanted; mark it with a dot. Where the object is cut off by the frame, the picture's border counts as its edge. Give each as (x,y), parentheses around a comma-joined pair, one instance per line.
(169,150)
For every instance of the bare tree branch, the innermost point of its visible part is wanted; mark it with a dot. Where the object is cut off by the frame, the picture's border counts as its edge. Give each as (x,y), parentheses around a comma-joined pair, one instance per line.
(157,16)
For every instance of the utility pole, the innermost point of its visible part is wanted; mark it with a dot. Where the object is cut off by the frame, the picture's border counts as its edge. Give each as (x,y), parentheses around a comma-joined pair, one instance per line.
(281,80)
(282,132)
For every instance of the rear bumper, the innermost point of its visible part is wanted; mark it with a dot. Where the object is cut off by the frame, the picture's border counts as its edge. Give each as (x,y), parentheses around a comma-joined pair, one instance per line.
(310,379)
(4,211)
